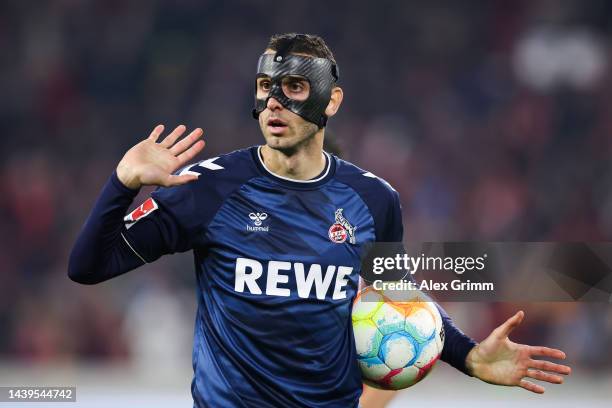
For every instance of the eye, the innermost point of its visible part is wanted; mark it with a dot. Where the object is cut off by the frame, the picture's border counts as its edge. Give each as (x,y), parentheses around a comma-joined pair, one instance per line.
(265,84)
(296,86)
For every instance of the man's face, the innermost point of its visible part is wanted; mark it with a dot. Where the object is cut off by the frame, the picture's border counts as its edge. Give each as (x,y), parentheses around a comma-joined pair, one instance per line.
(283,129)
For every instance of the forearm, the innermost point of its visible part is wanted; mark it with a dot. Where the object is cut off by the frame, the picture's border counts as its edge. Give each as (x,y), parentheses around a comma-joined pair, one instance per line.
(100,251)
(457,345)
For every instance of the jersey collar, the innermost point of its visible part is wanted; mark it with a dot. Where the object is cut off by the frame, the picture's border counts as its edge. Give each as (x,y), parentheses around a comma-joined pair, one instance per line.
(321,179)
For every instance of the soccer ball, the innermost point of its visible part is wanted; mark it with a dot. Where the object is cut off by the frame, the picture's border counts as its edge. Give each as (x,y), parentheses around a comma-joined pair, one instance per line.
(397,342)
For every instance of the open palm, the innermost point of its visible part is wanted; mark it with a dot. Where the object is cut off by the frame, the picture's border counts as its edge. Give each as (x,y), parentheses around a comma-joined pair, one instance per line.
(498,360)
(152,163)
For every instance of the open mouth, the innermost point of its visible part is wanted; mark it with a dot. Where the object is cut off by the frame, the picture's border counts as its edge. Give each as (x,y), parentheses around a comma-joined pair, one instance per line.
(277,124)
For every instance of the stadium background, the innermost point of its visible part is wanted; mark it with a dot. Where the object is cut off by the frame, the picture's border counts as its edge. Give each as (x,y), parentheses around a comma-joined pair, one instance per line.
(493,119)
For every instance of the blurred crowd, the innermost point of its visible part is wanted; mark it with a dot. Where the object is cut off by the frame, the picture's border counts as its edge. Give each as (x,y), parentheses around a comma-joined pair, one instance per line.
(493,119)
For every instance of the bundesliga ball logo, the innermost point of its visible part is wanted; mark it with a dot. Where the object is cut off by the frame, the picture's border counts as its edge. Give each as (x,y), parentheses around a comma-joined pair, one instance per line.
(337,233)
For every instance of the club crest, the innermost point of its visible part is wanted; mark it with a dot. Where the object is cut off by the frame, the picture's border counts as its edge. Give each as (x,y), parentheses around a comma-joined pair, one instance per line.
(341,229)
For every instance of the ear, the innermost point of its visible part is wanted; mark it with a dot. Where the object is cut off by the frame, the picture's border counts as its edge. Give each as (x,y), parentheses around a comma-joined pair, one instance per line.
(334,102)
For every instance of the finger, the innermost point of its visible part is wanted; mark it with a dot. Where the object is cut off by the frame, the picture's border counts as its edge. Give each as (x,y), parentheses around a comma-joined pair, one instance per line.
(506,328)
(156,132)
(186,142)
(172,137)
(177,180)
(547,352)
(548,366)
(190,153)
(542,376)
(529,386)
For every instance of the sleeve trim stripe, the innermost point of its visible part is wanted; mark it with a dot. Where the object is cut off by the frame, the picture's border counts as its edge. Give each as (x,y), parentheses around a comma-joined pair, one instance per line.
(132,248)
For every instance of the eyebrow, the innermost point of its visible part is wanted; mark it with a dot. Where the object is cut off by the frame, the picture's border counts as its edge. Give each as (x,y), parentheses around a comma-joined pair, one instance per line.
(297,77)
(294,78)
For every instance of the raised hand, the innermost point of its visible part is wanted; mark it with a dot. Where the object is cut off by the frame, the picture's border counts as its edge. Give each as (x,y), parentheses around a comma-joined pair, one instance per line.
(152,163)
(497,360)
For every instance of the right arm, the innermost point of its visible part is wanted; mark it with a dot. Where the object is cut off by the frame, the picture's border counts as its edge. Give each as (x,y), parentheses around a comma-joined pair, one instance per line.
(106,247)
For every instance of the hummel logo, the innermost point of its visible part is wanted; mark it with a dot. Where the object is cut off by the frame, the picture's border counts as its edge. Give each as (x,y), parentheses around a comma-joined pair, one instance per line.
(258,219)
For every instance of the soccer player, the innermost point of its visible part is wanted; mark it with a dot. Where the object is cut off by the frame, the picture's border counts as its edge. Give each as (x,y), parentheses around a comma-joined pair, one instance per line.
(277,232)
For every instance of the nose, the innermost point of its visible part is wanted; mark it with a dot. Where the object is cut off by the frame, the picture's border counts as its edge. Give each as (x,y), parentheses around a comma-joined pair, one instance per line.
(273,104)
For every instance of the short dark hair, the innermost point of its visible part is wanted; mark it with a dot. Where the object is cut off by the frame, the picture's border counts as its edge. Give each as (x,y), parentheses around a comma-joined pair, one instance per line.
(308,44)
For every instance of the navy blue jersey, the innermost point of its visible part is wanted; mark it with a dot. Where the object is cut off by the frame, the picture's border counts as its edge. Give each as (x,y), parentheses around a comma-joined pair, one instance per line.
(277,264)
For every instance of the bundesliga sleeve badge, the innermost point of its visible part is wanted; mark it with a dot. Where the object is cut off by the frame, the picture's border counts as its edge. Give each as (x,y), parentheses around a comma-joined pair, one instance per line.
(341,229)
(142,210)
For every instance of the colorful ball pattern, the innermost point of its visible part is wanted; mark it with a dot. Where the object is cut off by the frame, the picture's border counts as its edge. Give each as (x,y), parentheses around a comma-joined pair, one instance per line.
(397,342)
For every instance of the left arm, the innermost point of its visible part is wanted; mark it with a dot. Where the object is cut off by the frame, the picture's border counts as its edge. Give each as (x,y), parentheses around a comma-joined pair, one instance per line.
(496,360)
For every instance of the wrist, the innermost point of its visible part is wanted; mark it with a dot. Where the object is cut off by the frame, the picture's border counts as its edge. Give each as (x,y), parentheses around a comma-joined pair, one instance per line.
(127,178)
(471,362)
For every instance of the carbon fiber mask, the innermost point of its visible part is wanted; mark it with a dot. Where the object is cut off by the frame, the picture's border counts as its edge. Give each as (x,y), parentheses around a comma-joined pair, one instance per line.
(321,74)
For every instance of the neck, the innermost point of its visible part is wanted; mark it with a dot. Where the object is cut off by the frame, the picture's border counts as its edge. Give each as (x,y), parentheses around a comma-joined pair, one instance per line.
(303,163)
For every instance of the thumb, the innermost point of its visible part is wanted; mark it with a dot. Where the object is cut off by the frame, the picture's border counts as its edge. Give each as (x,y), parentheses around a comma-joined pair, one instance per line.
(175,180)
(506,328)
